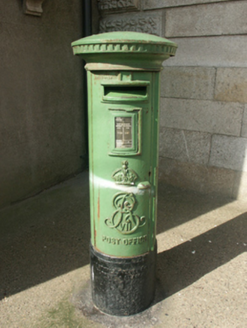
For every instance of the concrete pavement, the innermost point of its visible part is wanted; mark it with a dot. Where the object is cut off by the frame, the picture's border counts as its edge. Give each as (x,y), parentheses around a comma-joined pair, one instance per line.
(201,265)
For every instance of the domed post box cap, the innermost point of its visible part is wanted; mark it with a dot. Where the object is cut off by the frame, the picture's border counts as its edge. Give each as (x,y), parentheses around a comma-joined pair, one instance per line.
(137,50)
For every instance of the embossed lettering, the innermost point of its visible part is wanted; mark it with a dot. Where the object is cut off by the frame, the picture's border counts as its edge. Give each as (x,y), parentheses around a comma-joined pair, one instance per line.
(124,241)
(111,240)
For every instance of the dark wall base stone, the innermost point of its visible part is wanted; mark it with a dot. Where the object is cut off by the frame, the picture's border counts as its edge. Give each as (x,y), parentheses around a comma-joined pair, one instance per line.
(122,286)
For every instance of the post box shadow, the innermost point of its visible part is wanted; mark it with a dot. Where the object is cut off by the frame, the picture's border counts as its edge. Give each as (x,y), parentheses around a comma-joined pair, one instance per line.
(183,265)
(48,235)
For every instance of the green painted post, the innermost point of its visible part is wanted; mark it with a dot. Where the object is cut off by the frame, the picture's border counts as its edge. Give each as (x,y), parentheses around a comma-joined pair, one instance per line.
(123,70)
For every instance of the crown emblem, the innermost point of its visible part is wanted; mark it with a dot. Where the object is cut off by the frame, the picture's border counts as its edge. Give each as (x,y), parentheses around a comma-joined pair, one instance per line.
(124,176)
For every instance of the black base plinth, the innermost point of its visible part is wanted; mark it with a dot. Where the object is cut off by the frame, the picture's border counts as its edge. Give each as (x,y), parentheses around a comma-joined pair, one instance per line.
(122,286)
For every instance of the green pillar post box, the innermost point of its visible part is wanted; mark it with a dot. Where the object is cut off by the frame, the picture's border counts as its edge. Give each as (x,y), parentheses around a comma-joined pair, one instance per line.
(123,70)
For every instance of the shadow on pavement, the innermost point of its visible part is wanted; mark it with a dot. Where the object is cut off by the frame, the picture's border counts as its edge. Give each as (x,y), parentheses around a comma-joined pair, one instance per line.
(48,235)
(177,206)
(182,265)
(44,237)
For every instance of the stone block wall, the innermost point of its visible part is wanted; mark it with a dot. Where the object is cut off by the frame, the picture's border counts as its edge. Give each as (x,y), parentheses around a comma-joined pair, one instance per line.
(41,114)
(203,118)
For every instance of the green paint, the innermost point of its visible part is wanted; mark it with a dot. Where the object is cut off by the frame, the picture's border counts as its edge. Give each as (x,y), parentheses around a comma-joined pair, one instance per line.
(123,92)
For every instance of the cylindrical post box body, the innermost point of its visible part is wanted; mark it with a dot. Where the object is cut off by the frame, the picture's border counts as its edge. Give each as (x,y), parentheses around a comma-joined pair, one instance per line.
(123,115)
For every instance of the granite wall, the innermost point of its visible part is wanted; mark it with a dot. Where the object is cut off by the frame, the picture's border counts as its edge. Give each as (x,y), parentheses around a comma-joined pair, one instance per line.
(203,126)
